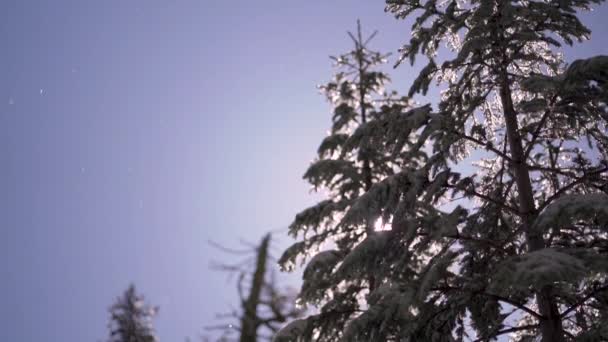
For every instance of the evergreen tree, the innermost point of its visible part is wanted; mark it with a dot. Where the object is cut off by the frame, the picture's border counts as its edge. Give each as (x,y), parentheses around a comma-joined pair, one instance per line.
(350,160)
(515,243)
(131,319)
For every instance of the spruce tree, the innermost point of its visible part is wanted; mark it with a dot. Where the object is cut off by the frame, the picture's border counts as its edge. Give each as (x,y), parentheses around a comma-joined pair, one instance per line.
(349,162)
(499,210)
(131,319)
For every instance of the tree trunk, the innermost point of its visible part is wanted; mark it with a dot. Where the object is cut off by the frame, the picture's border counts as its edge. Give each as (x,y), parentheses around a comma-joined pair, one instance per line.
(249,321)
(550,324)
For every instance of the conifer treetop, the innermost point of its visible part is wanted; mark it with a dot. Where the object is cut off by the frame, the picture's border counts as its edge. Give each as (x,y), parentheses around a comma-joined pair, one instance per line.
(512,244)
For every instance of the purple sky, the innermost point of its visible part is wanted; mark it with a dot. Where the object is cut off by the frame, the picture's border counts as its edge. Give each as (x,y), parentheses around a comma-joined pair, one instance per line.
(131,132)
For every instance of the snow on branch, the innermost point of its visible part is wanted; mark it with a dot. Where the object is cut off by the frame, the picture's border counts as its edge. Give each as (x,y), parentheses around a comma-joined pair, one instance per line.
(364,256)
(316,277)
(568,209)
(292,332)
(546,267)
(316,216)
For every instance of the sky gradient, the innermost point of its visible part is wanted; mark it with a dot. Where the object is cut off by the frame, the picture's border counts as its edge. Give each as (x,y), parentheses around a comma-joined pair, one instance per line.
(132,132)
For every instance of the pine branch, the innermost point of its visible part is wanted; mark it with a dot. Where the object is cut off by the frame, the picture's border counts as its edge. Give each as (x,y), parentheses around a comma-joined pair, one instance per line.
(486,145)
(515,304)
(459,236)
(494,296)
(487,198)
(583,300)
(507,331)
(561,191)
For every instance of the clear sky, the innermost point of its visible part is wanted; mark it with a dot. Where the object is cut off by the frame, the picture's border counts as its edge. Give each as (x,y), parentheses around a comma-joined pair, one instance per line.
(133,131)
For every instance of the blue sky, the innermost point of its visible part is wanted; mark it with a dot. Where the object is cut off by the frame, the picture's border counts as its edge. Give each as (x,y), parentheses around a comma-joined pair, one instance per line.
(132,132)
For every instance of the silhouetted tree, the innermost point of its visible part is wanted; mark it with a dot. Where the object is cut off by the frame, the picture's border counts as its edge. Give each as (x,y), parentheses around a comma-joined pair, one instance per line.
(515,243)
(131,319)
(348,164)
(264,307)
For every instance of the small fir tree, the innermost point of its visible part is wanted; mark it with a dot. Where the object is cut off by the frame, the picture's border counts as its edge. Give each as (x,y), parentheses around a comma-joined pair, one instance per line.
(131,319)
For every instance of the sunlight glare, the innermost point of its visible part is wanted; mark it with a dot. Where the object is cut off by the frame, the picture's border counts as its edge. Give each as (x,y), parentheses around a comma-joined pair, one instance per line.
(380,226)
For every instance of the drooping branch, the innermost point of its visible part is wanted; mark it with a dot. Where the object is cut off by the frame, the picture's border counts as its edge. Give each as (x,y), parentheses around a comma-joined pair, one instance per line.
(583,300)
(507,331)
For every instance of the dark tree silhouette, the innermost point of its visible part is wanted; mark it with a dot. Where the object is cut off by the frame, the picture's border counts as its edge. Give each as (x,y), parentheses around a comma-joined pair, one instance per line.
(264,307)
(131,319)
(497,209)
(349,162)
